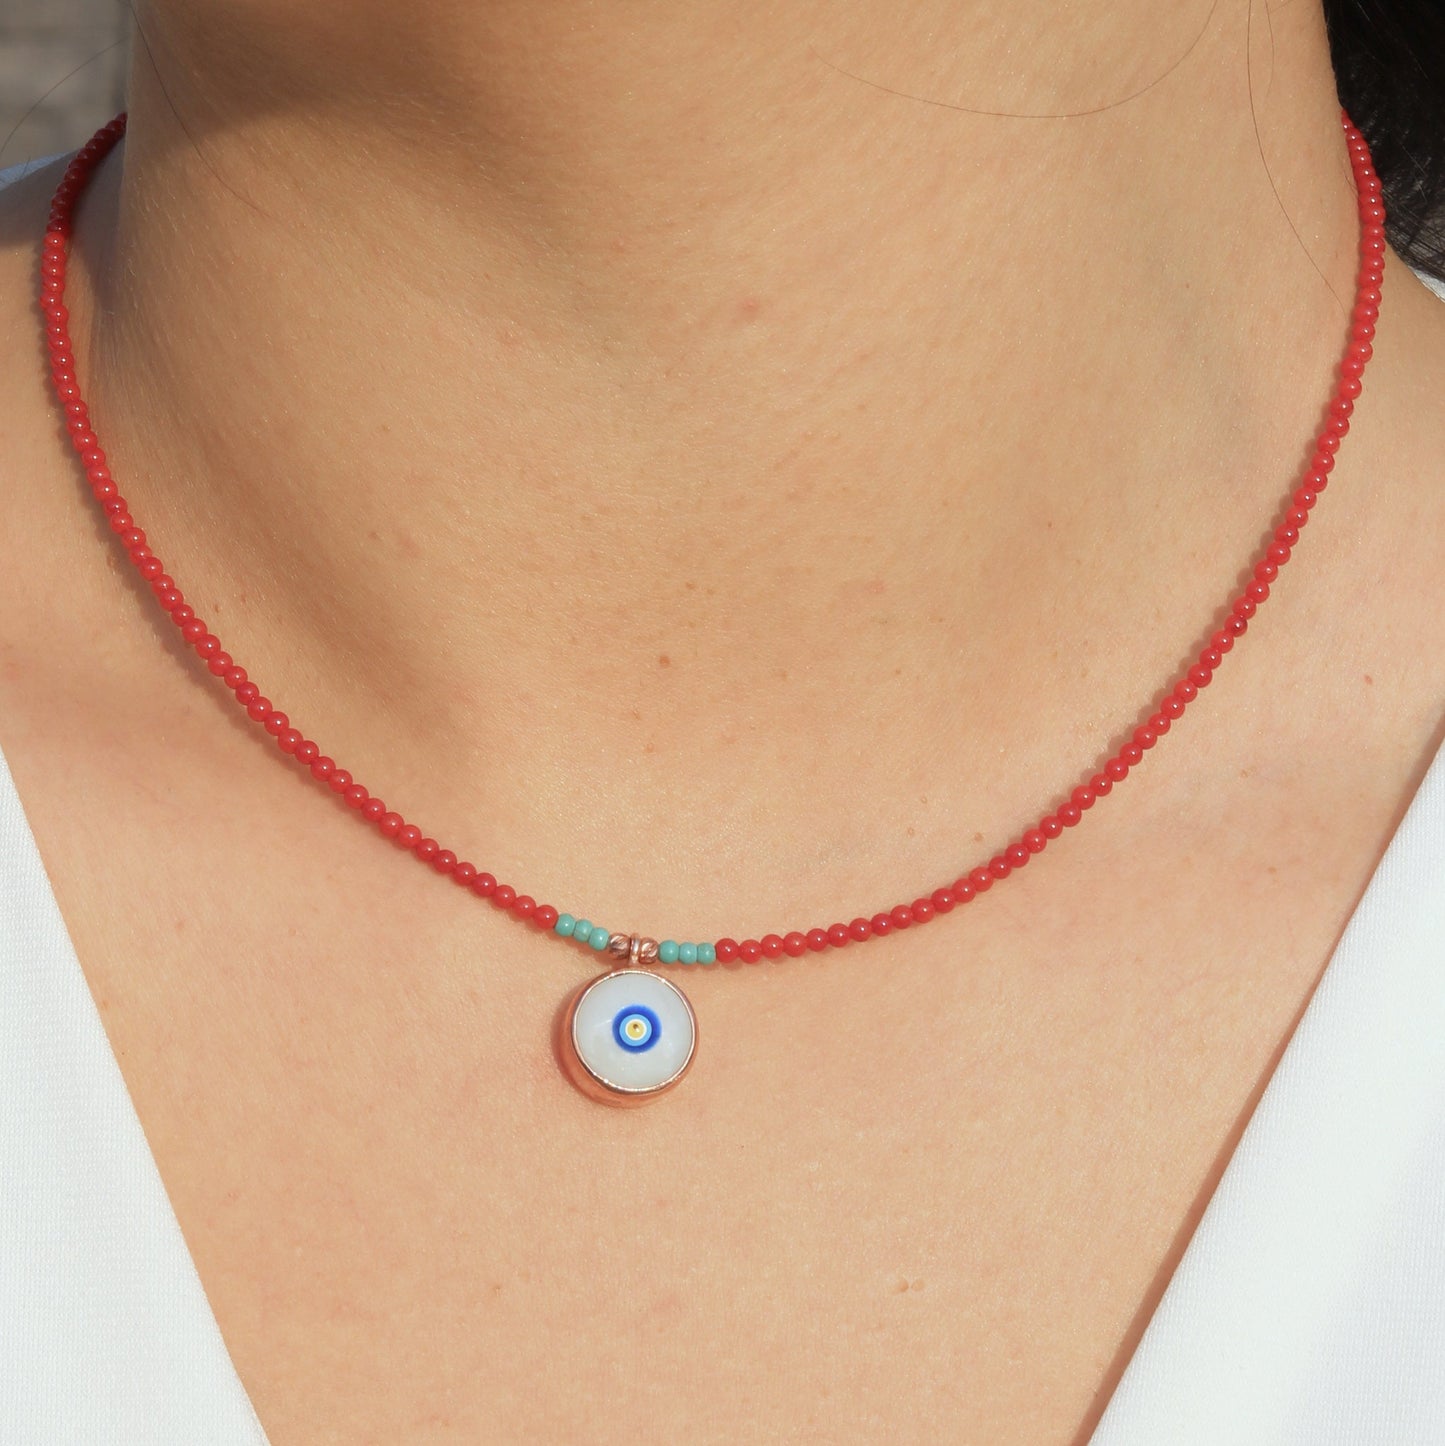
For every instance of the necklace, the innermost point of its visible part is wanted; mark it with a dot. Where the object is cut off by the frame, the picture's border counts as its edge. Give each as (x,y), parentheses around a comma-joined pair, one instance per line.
(630,1033)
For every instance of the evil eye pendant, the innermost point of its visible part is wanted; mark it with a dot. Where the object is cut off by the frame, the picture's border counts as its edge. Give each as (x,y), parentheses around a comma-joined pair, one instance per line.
(629,1037)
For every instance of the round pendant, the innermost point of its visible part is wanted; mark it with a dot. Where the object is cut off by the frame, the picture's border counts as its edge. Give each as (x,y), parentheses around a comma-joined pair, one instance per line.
(629,1036)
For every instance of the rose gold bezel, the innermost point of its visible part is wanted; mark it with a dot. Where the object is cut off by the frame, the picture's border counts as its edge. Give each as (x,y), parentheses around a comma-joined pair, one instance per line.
(593,1085)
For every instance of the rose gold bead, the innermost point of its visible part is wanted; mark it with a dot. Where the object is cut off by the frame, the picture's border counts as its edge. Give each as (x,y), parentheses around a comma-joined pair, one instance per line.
(644,951)
(619,945)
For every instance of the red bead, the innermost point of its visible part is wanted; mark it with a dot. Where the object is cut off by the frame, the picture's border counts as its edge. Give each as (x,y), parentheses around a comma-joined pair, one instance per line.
(1130,754)
(1049,827)
(1082,797)
(981,880)
(504,896)
(373,809)
(943,902)
(838,935)
(1102,784)
(880,924)
(307,752)
(425,849)
(1070,814)
(276,723)
(322,768)
(795,944)
(750,951)
(1117,770)
(1201,676)
(726,950)
(1017,855)
(390,824)
(522,904)
(772,945)
(544,916)
(999,867)
(339,781)
(444,862)
(355,796)
(408,836)
(817,940)
(901,917)
(289,741)
(860,929)
(963,890)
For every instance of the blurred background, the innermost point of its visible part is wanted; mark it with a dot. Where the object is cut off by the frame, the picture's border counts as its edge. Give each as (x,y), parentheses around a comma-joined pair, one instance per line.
(62,73)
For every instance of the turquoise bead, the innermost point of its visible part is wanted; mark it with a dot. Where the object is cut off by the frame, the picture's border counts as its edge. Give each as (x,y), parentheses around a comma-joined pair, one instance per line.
(667,951)
(598,937)
(564,925)
(706,954)
(687,953)
(582,931)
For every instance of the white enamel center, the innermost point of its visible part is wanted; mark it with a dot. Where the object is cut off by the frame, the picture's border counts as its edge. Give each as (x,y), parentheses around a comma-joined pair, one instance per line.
(633,1031)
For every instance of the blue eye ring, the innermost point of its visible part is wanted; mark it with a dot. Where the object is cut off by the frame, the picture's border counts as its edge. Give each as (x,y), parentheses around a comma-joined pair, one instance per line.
(636,1011)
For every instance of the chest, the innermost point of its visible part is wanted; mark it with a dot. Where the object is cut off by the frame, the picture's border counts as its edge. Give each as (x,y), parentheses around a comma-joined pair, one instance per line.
(929,1186)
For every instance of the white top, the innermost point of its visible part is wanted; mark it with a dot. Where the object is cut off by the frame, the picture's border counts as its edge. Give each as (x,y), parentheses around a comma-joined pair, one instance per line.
(1308,1308)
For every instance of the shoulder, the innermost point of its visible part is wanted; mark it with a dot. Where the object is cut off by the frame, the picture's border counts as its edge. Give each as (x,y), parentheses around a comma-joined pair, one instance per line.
(38,498)
(24,204)
(25,192)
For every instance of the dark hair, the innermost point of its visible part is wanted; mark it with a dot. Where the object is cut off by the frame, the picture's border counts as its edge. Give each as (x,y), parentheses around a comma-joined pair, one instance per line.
(1389,58)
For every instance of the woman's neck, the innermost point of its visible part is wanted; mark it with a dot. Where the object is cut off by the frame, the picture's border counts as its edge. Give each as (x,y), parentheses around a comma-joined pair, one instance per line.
(730,351)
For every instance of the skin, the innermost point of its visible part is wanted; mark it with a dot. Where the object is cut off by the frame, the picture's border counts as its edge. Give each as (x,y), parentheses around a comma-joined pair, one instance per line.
(708,467)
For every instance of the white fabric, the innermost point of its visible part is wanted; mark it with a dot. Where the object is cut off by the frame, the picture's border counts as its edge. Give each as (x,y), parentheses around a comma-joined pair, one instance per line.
(1308,1309)
(105,1332)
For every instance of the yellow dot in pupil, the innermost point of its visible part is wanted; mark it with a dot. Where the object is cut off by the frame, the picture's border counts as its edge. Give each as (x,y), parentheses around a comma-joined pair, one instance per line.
(636,1028)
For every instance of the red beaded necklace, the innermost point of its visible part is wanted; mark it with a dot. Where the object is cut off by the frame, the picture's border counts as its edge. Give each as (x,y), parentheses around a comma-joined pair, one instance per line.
(630,1033)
